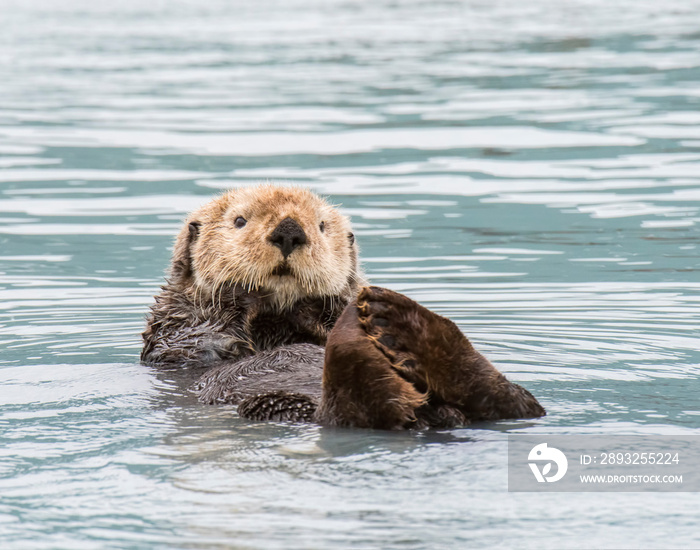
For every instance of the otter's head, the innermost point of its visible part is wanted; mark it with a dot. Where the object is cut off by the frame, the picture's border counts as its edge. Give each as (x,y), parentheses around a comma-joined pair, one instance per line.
(285,242)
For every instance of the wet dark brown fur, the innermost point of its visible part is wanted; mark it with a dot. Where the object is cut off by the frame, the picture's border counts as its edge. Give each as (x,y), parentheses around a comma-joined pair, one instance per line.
(251,316)
(393,364)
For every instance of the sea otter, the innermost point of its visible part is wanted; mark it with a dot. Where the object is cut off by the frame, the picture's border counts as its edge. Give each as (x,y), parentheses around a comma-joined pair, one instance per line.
(265,303)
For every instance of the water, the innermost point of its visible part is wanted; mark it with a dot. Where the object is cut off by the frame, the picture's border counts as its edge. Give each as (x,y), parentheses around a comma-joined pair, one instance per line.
(531,170)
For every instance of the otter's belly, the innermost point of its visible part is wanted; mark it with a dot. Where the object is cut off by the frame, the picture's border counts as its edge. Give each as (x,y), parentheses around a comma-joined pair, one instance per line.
(296,368)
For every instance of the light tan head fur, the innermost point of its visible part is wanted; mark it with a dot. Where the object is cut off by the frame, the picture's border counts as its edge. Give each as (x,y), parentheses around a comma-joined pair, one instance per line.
(213,251)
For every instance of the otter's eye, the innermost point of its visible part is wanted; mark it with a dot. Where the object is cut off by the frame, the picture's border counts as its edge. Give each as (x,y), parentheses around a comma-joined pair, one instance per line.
(322,226)
(240,222)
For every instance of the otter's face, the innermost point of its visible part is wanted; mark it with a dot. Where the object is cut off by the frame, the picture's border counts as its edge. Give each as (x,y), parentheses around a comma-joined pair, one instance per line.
(287,243)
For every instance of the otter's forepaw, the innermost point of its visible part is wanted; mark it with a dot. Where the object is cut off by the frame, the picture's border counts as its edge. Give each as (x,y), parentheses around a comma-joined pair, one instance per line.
(278,406)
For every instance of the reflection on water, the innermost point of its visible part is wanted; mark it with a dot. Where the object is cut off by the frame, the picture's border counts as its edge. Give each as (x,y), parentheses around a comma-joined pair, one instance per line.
(528,169)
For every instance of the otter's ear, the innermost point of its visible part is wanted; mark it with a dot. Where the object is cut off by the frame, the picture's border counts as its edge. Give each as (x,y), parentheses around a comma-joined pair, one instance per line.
(193,228)
(182,252)
(351,238)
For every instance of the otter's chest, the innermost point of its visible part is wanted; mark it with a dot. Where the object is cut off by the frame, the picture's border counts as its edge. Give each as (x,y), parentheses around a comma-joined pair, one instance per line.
(272,329)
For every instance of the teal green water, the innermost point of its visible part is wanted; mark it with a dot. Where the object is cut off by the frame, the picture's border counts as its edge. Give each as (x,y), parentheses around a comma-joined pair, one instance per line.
(531,170)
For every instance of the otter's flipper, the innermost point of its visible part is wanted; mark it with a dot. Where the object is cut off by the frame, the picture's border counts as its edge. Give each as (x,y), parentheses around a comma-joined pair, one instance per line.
(391,363)
(278,406)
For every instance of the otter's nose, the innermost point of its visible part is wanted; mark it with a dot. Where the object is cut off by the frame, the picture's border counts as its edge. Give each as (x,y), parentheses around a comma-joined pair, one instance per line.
(288,236)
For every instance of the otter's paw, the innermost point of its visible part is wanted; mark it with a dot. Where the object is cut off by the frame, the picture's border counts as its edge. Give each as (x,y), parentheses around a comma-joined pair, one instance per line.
(430,352)
(411,336)
(392,322)
(278,406)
